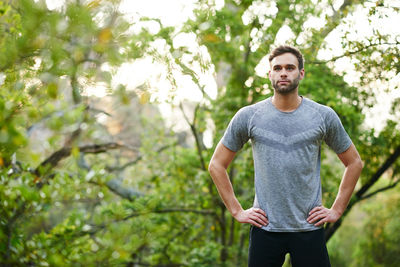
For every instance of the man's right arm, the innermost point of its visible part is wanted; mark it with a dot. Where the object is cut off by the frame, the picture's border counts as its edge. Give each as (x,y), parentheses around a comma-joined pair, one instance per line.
(218,170)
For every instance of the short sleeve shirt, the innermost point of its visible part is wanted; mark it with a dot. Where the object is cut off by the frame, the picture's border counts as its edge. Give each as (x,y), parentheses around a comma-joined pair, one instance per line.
(287,157)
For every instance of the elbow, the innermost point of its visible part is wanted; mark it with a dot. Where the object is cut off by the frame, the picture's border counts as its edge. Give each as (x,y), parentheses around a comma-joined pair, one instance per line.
(211,167)
(360,164)
(356,165)
(214,168)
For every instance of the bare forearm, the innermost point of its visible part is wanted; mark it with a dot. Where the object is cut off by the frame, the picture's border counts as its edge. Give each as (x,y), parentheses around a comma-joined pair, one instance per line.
(218,165)
(349,181)
(225,189)
(351,159)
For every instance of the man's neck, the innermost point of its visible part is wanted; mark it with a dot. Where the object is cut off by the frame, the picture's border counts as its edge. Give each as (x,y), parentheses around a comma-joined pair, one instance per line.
(286,103)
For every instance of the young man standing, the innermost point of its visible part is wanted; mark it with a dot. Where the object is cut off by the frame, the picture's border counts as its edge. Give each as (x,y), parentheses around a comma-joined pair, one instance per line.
(286,132)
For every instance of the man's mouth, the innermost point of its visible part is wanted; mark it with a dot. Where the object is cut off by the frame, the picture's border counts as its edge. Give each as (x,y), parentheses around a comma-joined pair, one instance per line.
(284,82)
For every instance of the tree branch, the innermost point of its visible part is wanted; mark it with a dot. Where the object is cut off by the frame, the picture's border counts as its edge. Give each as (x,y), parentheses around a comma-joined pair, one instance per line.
(66,151)
(133,162)
(115,185)
(58,113)
(331,24)
(351,53)
(392,158)
(248,46)
(331,228)
(186,70)
(10,228)
(169,210)
(169,242)
(100,111)
(336,16)
(139,263)
(380,190)
(173,210)
(193,129)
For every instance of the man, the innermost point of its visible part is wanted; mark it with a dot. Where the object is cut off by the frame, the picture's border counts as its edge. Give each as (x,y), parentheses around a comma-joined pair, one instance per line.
(286,132)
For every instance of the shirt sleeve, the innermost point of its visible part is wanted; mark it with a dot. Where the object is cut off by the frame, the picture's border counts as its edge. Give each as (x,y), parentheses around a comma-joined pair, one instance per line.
(237,133)
(336,136)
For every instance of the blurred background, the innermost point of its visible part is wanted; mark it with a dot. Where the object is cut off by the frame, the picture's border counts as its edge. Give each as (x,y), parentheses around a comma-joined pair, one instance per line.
(110,111)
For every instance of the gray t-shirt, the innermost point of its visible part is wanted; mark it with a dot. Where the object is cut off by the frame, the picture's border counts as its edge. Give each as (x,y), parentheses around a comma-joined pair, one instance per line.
(287,157)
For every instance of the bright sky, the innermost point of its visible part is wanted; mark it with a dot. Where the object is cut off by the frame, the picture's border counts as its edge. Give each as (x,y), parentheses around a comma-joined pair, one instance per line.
(175,12)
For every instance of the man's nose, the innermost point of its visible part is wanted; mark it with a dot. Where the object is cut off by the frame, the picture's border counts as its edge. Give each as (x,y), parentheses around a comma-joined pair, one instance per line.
(283,73)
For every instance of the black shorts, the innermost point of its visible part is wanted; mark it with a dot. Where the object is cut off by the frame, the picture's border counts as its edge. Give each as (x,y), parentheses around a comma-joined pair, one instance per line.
(306,249)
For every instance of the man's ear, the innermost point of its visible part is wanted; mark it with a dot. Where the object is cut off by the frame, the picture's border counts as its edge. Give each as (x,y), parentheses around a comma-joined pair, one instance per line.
(302,73)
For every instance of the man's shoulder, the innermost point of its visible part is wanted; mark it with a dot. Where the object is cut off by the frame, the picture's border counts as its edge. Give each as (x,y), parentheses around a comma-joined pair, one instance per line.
(253,108)
(322,109)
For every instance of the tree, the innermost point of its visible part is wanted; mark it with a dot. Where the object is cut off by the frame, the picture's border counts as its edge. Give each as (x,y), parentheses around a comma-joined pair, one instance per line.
(379,245)
(239,34)
(90,195)
(51,191)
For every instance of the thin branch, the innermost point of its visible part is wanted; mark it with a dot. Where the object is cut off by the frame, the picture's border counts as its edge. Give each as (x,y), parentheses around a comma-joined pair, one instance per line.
(10,227)
(66,151)
(351,53)
(240,250)
(195,135)
(332,22)
(199,143)
(174,237)
(204,92)
(186,70)
(115,185)
(380,190)
(392,158)
(73,137)
(139,263)
(45,118)
(248,47)
(336,16)
(331,228)
(137,214)
(100,111)
(20,60)
(184,114)
(173,210)
(133,162)
(137,254)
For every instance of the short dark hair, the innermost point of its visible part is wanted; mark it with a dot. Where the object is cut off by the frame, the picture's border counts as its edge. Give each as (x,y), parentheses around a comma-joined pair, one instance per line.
(282,49)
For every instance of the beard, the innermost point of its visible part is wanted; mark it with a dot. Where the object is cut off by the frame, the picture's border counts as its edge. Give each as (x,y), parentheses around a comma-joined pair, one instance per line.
(286,89)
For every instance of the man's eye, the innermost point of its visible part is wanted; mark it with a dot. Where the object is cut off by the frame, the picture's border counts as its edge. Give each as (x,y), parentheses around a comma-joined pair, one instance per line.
(277,68)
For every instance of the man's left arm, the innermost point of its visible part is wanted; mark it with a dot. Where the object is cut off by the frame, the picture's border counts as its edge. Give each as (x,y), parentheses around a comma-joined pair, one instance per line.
(352,161)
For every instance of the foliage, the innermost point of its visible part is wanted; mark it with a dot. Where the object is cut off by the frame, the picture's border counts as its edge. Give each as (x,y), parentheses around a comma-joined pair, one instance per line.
(102,181)
(369,236)
(48,59)
(379,246)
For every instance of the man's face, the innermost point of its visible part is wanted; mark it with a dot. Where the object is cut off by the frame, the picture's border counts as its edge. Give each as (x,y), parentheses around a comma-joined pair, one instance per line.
(285,74)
